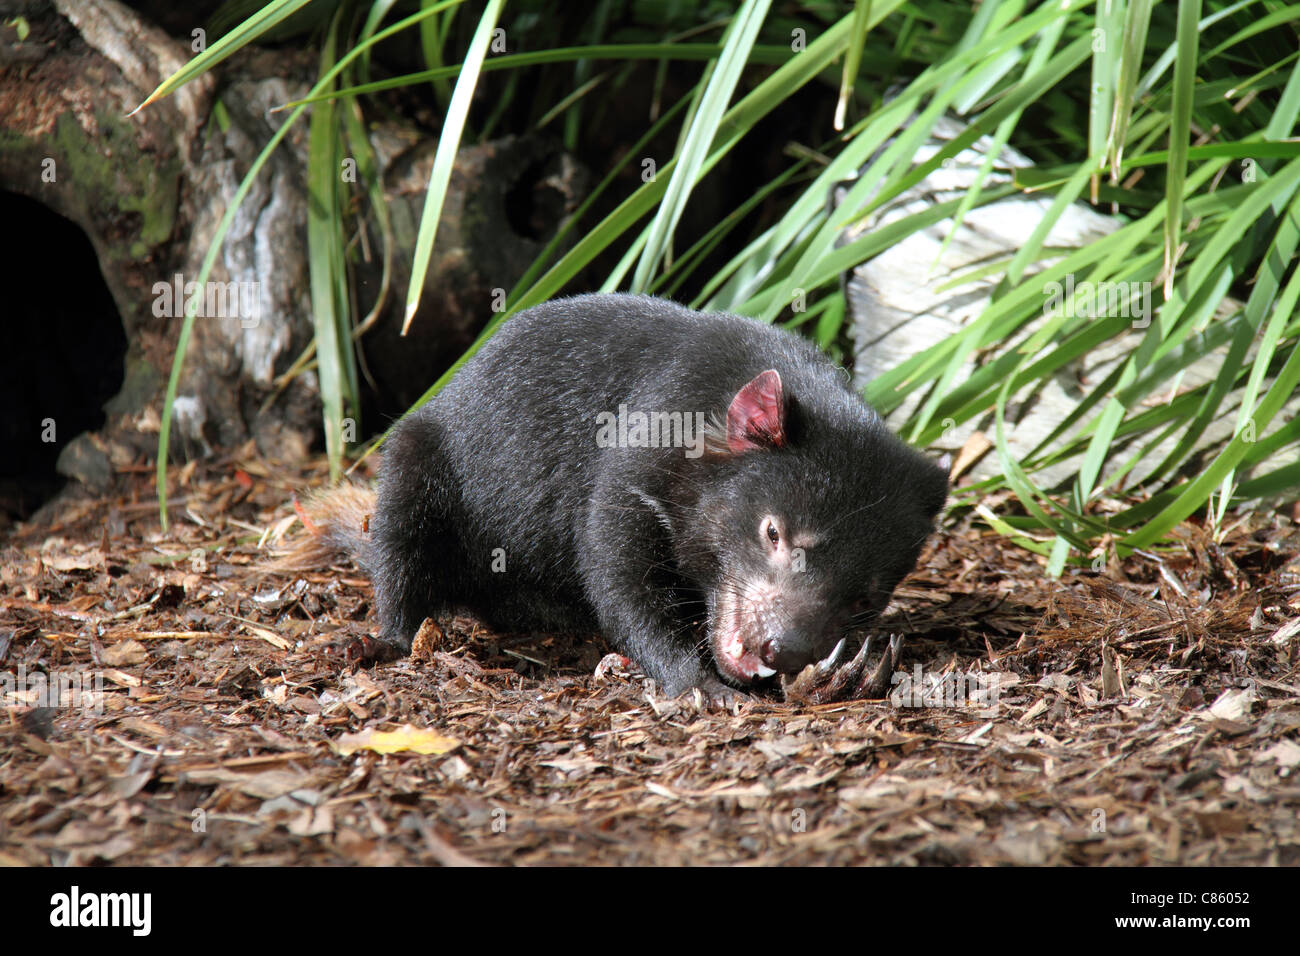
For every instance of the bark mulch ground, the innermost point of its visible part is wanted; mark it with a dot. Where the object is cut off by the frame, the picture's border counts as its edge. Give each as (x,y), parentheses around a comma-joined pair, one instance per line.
(1147,714)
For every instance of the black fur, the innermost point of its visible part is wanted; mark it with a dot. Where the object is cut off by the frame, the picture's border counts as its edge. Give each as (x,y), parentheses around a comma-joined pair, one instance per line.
(639,542)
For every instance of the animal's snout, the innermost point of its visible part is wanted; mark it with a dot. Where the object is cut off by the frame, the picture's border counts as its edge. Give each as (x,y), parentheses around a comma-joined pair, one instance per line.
(787,653)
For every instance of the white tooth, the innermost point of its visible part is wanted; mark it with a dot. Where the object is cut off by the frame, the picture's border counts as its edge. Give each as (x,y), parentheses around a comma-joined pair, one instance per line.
(762,671)
(833,657)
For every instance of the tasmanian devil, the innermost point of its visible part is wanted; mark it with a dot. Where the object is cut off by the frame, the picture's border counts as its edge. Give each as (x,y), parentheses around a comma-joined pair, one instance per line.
(703,489)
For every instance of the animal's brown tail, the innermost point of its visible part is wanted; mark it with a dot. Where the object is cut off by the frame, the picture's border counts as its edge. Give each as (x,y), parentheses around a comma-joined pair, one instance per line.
(337,521)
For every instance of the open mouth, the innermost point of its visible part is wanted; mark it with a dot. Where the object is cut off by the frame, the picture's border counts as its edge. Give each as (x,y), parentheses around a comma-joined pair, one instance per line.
(734,660)
(728,626)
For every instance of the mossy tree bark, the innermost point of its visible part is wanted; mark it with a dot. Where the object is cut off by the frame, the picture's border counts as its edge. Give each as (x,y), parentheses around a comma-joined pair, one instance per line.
(150,188)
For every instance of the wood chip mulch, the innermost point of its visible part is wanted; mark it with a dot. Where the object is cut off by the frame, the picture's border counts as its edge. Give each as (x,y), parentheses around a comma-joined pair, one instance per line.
(1147,714)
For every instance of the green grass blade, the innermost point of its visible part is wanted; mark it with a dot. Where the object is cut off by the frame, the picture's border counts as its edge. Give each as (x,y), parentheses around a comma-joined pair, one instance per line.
(852,59)
(702,131)
(445,156)
(1194,493)
(665,52)
(1107,50)
(324,259)
(1180,131)
(242,35)
(1137,21)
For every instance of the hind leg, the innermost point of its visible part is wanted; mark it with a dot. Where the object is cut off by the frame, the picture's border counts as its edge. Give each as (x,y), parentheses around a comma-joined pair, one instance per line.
(415,551)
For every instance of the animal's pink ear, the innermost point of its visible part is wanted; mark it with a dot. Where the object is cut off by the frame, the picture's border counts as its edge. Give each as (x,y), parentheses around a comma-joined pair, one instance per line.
(756,418)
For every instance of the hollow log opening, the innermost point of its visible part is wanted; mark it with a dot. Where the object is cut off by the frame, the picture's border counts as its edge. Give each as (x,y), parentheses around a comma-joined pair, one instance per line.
(64,350)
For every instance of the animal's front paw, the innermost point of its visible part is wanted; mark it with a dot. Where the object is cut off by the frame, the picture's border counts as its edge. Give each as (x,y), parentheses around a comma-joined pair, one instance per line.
(709,686)
(831,680)
(714,691)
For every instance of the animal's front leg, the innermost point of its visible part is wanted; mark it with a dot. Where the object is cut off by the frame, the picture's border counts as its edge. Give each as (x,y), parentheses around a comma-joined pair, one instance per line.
(644,608)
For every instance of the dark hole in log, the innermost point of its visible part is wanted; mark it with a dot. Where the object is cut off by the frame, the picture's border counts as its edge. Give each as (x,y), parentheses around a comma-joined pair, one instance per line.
(533,205)
(63,351)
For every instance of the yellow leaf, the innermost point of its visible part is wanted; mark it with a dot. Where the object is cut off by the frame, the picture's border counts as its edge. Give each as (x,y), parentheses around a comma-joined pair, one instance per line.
(406,737)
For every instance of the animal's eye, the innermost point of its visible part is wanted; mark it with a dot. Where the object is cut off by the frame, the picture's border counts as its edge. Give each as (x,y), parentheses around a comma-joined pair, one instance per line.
(770,532)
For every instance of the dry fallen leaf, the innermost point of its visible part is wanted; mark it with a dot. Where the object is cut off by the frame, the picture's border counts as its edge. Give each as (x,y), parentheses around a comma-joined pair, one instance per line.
(1285,752)
(312,822)
(266,785)
(272,638)
(125,653)
(975,448)
(1231,705)
(406,737)
(58,555)
(428,639)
